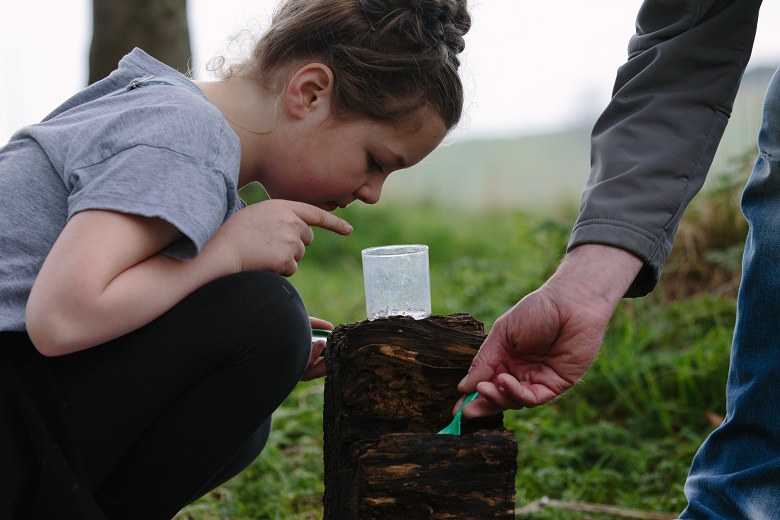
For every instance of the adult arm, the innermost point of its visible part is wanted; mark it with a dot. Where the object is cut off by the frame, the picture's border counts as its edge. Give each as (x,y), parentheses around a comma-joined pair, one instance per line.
(654,143)
(651,150)
(104,276)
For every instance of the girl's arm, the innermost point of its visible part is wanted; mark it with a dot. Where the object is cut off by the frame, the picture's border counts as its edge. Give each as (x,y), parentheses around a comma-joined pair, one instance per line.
(104,277)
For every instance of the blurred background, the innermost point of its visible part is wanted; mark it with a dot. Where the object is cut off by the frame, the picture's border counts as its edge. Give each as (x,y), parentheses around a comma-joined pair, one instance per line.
(499,200)
(537,75)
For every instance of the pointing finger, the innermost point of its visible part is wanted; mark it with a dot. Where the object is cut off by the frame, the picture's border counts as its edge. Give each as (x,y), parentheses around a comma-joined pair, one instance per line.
(315,216)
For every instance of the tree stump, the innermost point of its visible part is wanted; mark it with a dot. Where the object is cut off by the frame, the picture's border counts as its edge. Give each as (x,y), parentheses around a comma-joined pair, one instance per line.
(390,387)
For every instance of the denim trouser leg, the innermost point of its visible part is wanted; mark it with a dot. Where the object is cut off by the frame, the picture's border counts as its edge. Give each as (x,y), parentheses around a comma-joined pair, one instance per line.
(736,473)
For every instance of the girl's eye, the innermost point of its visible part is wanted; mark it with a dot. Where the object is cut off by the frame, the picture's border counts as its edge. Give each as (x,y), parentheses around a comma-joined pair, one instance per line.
(373,164)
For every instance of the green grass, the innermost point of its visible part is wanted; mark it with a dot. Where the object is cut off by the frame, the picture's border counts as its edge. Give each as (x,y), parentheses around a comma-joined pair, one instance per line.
(627,433)
(625,436)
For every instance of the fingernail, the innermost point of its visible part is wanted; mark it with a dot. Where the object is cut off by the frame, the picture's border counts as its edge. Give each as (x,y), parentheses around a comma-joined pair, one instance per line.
(463,381)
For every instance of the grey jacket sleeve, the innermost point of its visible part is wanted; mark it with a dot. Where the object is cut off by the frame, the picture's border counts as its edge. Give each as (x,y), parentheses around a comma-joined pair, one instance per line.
(654,143)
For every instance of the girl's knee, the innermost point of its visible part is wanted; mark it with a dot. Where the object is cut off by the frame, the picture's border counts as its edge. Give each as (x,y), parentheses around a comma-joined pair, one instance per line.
(274,320)
(260,322)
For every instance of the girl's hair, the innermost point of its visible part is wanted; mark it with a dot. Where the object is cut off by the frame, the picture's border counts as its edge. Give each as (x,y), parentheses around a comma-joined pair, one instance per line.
(388,57)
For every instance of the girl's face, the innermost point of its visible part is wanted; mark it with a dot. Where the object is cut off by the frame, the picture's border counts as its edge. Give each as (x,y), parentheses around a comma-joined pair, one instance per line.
(332,164)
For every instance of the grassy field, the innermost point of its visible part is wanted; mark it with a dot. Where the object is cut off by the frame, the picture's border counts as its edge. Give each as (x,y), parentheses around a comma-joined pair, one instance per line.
(625,436)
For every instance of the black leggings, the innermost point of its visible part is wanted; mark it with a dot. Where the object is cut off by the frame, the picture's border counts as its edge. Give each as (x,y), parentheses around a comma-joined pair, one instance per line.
(162,415)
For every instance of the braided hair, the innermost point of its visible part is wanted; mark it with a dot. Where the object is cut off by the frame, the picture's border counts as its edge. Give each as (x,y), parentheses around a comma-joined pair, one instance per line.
(389,57)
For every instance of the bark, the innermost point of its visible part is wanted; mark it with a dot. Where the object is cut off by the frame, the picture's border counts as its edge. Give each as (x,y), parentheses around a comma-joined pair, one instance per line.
(390,387)
(159,27)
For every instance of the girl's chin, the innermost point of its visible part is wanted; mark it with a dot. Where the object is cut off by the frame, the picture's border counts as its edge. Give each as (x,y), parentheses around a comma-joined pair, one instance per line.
(327,206)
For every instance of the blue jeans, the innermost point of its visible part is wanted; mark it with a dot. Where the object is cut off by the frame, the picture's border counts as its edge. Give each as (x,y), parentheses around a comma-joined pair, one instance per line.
(736,472)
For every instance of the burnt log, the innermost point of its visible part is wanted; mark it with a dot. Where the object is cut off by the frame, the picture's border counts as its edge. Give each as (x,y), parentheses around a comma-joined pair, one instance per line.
(390,387)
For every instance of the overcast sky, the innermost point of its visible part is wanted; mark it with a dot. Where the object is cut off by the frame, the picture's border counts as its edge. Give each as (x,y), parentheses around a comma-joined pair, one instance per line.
(530,66)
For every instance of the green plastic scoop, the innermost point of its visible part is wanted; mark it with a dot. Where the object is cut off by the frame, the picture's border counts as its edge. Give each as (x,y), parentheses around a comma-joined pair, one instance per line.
(454,427)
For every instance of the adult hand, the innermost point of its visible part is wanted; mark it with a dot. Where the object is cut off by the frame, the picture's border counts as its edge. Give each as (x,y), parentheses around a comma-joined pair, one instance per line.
(272,235)
(544,344)
(316,366)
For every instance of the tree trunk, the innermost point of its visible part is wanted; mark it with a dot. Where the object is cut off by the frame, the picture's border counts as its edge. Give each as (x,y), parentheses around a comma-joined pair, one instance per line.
(159,27)
(390,387)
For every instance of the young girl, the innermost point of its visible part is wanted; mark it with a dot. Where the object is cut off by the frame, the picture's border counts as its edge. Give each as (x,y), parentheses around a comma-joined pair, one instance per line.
(147,331)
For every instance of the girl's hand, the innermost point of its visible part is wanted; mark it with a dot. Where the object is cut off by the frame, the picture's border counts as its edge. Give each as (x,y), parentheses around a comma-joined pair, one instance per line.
(316,366)
(104,277)
(273,235)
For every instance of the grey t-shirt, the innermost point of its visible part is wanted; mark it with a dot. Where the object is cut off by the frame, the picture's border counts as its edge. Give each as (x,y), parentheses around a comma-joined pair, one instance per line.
(156,150)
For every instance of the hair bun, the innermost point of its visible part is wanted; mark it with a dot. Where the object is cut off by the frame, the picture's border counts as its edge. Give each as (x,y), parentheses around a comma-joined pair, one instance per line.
(447,21)
(390,58)
(422,22)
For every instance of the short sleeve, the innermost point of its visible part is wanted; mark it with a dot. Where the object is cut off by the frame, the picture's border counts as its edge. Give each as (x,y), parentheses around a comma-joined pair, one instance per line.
(156,182)
(168,154)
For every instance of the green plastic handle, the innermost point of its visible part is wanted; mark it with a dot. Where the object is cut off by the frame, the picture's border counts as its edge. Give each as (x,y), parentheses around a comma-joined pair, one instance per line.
(454,427)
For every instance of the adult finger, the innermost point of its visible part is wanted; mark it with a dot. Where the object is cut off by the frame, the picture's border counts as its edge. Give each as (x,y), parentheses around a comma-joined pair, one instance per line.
(502,395)
(479,407)
(484,365)
(492,400)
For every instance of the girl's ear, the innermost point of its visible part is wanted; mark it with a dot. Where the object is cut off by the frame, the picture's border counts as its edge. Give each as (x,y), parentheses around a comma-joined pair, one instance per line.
(309,90)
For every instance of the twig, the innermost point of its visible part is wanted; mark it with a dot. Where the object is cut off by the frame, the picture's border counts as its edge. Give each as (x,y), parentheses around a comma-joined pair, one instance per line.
(622,512)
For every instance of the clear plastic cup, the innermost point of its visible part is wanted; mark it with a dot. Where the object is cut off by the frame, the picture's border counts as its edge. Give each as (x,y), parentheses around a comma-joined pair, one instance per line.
(397,281)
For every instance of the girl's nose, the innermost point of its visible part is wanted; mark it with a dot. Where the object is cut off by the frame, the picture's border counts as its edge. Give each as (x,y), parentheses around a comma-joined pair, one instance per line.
(371,191)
